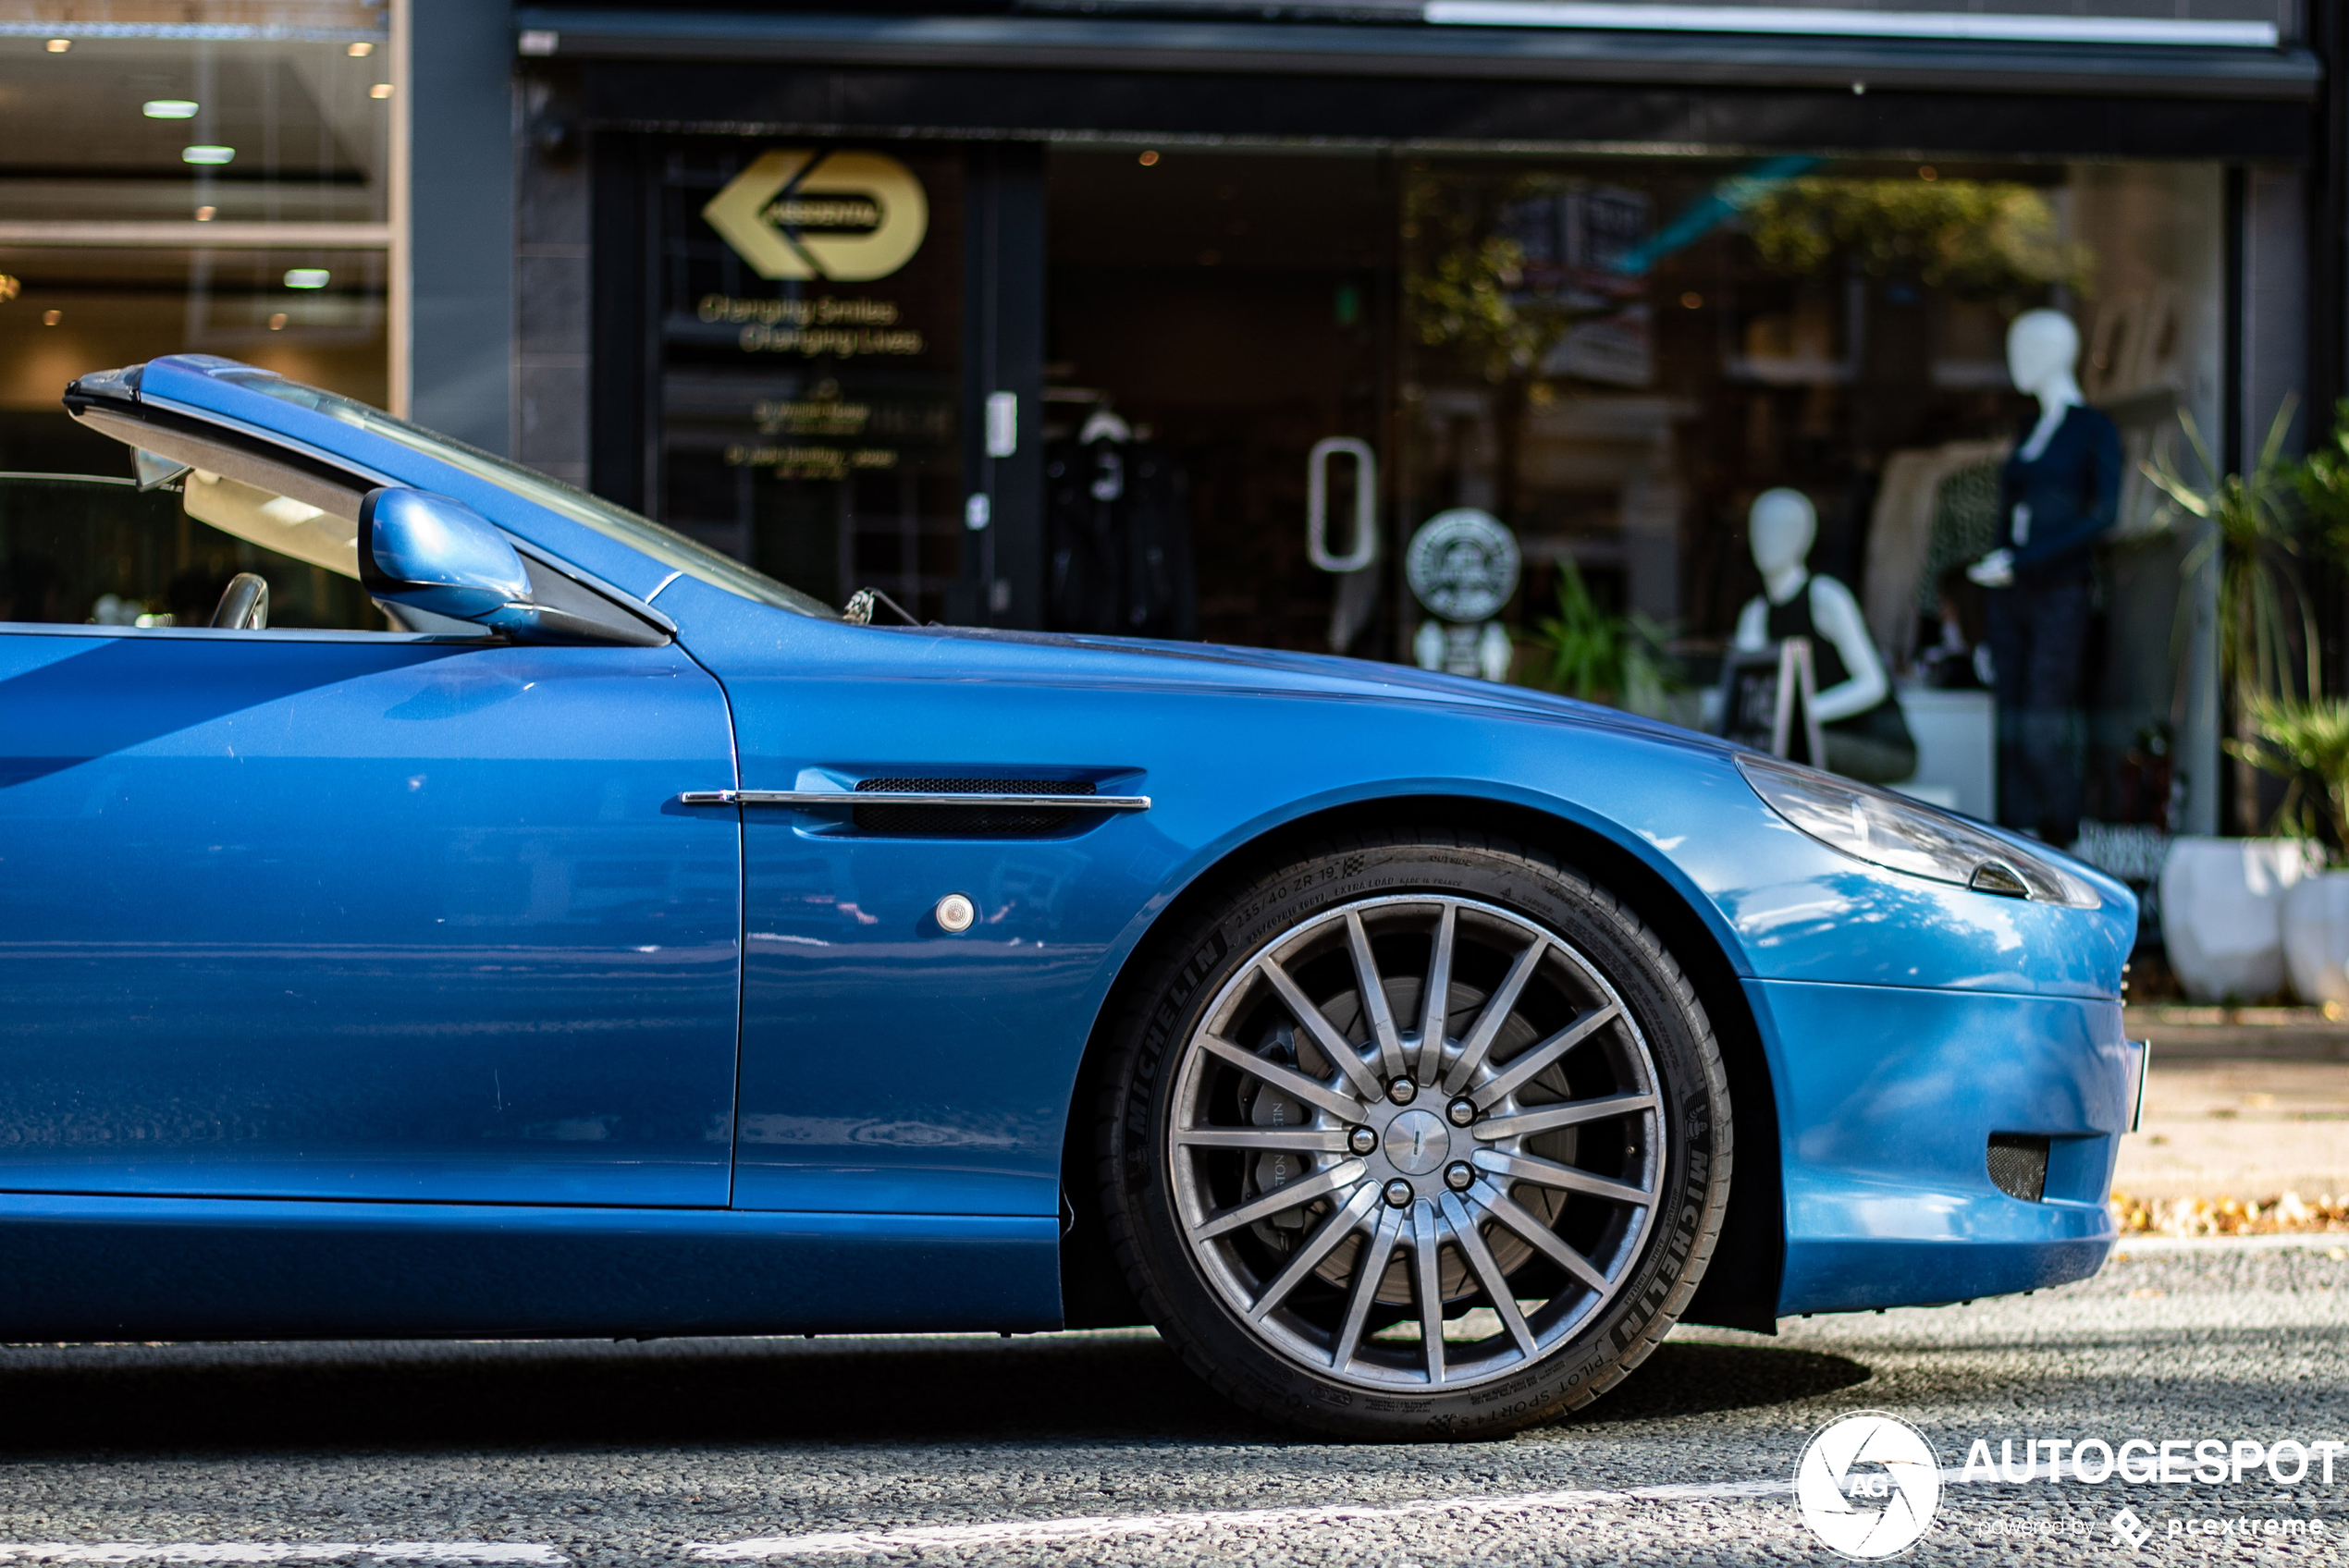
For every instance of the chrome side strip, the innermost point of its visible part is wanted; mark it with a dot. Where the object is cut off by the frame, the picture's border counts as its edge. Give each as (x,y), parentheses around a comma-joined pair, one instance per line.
(905,798)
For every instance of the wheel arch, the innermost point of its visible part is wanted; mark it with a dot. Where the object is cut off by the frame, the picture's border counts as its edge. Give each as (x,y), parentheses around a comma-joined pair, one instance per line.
(1740,1285)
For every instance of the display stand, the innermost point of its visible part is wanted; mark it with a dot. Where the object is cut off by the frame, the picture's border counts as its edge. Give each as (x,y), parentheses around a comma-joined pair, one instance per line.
(1770,699)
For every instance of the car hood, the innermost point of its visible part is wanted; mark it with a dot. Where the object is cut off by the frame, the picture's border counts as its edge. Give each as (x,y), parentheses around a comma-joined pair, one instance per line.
(1114,660)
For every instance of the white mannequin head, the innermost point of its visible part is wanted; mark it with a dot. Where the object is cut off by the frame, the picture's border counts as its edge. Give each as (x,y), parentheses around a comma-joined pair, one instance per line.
(1779,529)
(2042,346)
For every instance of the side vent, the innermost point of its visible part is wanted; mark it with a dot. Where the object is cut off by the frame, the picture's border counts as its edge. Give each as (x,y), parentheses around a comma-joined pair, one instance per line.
(2018,1165)
(968,822)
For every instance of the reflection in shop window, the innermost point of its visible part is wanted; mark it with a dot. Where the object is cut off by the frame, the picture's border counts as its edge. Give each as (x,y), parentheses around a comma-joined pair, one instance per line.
(1833,328)
(257,117)
(808,403)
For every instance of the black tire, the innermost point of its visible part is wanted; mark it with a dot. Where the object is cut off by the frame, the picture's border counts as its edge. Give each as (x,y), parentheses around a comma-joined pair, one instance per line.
(1181,1216)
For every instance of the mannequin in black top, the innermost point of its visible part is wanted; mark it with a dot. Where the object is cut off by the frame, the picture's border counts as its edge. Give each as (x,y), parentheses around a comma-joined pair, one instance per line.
(1860,720)
(2058,494)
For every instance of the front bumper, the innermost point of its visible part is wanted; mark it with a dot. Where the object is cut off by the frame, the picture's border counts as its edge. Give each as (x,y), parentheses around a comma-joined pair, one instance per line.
(1888,1098)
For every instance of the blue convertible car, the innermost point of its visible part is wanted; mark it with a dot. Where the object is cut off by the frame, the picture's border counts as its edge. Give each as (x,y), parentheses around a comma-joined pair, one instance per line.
(580,934)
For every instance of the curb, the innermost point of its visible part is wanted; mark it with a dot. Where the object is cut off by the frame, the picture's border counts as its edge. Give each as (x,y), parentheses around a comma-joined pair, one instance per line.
(2148,1246)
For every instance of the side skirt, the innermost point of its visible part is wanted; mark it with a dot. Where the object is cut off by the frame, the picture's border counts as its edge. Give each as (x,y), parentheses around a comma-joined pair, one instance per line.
(98,1268)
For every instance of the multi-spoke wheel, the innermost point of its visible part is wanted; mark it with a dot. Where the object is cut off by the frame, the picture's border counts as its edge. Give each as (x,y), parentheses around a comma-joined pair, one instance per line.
(1436,1140)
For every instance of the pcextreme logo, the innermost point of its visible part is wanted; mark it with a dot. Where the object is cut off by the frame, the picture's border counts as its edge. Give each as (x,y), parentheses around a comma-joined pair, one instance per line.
(1868,1483)
(844,216)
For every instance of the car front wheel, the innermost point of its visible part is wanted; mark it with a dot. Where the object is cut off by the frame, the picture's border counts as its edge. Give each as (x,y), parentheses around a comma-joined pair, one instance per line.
(1414,1136)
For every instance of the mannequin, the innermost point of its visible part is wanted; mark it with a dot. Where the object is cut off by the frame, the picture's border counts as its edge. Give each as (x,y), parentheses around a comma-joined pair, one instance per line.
(1866,738)
(1117,532)
(2058,494)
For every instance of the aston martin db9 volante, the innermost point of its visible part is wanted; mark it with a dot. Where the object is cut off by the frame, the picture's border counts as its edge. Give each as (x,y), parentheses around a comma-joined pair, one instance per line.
(578,933)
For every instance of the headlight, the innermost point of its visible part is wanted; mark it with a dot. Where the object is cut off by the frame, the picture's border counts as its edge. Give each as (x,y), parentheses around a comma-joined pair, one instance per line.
(1884,829)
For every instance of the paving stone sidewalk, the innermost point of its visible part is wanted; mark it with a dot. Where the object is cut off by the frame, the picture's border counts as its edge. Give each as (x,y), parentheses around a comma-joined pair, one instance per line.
(2247,1102)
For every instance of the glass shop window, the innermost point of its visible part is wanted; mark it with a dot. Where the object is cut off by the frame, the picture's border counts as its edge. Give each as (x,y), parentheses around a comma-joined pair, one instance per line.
(1617,358)
(266,124)
(809,318)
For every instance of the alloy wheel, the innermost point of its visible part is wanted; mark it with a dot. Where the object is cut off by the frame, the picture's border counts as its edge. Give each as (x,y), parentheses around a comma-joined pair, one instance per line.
(1417,1141)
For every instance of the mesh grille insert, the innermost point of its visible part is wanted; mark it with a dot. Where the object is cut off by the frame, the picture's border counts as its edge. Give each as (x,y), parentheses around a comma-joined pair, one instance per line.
(969,822)
(2018,1165)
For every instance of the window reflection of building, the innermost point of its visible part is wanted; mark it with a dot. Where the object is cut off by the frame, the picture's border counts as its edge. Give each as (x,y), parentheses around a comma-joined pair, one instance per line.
(207,177)
(1833,327)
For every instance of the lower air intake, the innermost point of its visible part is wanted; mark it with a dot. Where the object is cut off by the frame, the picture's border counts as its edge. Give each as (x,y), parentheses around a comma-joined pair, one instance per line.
(968,822)
(2018,1165)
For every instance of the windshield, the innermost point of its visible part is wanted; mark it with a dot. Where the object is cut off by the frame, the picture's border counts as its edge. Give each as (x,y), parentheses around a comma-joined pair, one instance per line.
(663,544)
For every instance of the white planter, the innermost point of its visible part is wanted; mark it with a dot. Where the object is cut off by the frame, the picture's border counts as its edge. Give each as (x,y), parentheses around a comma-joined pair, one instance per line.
(2316,937)
(2222,912)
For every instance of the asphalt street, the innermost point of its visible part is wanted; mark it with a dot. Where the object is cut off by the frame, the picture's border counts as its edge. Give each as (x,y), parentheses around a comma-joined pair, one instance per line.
(1098,1448)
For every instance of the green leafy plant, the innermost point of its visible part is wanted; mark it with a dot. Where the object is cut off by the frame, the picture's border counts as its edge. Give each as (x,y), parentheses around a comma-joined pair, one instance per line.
(2253,546)
(2263,609)
(1977,237)
(2323,483)
(1616,659)
(2307,742)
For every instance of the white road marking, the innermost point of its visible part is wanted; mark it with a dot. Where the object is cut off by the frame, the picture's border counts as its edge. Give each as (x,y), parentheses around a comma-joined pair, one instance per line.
(997,1533)
(279,1552)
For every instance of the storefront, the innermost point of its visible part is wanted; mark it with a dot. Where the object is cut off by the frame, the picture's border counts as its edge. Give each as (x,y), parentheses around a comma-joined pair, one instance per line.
(1127,321)
(1187,319)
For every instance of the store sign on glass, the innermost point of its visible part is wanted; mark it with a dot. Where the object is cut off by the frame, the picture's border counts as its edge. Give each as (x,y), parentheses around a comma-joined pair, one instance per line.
(849,217)
(812,328)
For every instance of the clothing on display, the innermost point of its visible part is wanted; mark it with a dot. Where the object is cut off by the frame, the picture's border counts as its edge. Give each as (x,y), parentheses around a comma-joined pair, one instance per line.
(1904,537)
(1117,525)
(1965,528)
(2058,500)
(1873,745)
(2038,635)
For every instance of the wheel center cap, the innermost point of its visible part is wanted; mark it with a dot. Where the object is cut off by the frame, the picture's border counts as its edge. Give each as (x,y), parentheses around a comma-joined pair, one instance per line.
(1417,1141)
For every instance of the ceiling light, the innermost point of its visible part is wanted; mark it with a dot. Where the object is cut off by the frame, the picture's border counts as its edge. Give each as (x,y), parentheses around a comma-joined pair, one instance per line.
(206,155)
(360,50)
(9,287)
(381,89)
(169,109)
(307,277)
(206,215)
(278,322)
(51,318)
(59,46)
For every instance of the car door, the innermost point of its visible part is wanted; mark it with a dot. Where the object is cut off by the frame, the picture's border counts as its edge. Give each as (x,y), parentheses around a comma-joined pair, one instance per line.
(334,912)
(894,1064)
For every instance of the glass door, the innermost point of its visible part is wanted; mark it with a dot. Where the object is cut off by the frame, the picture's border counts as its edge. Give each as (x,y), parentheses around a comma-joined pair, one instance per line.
(1213,319)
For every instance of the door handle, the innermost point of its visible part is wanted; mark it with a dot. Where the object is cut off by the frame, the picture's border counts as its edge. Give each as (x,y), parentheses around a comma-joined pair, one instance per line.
(805,798)
(1317,504)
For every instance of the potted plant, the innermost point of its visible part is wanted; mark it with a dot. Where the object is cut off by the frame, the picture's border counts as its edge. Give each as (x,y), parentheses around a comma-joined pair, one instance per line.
(2307,742)
(2222,899)
(1616,659)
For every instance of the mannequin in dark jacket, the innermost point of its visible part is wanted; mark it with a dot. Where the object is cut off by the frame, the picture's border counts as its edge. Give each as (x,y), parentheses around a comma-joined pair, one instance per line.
(2057,494)
(1117,527)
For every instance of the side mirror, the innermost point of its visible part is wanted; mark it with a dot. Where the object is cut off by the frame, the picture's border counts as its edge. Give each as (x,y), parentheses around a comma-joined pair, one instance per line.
(439,556)
(430,553)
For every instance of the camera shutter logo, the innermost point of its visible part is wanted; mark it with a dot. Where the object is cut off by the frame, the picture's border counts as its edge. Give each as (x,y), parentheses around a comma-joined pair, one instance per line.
(844,217)
(1868,1483)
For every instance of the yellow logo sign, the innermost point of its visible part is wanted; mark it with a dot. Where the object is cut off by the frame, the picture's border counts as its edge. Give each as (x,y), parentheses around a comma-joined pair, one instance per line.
(848,218)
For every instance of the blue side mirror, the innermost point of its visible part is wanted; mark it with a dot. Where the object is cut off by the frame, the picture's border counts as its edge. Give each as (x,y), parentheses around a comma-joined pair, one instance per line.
(439,556)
